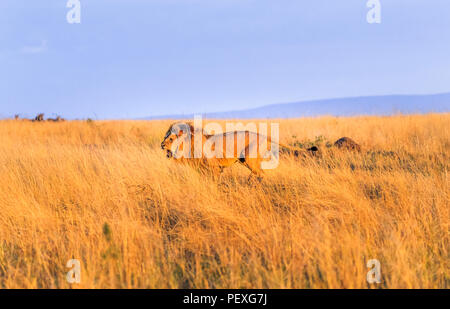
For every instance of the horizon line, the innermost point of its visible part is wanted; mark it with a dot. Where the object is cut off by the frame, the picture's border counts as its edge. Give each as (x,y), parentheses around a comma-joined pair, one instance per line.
(249,109)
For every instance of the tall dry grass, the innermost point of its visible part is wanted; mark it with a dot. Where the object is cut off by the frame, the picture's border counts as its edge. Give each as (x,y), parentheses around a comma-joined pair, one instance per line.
(105,194)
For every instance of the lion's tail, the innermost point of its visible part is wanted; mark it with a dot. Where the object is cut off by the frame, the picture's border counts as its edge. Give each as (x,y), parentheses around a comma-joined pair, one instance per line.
(297,152)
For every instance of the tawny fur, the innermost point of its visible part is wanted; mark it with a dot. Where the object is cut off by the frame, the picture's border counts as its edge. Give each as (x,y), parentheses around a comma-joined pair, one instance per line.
(217,164)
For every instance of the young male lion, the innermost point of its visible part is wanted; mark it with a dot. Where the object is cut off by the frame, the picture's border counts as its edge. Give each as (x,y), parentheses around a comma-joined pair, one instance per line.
(217,151)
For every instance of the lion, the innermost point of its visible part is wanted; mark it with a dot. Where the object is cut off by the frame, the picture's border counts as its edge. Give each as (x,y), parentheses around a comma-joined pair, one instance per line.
(253,150)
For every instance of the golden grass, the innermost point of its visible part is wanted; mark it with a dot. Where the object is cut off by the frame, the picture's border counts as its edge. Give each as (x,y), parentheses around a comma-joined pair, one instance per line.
(105,194)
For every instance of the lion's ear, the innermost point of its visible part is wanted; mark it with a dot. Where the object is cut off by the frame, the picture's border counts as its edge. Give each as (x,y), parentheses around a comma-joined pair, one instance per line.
(180,133)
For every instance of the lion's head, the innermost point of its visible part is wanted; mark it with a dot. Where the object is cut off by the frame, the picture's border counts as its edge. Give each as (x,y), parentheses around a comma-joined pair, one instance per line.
(176,137)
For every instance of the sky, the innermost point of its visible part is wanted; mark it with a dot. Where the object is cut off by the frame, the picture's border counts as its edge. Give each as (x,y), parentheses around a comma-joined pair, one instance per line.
(138,58)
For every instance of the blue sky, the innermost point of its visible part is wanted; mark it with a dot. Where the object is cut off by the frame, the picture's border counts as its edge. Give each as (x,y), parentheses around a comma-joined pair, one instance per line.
(137,58)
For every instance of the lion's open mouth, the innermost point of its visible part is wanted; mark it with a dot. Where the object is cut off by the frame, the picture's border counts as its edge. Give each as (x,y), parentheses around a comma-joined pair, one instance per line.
(169,154)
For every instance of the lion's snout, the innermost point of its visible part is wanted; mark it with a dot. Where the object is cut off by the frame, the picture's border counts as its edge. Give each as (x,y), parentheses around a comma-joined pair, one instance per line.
(168,152)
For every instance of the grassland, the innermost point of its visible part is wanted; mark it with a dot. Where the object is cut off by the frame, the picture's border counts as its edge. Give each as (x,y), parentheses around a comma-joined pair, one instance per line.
(104,193)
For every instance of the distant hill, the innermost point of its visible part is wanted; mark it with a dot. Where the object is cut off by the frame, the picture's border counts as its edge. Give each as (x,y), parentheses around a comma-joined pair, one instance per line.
(370,105)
